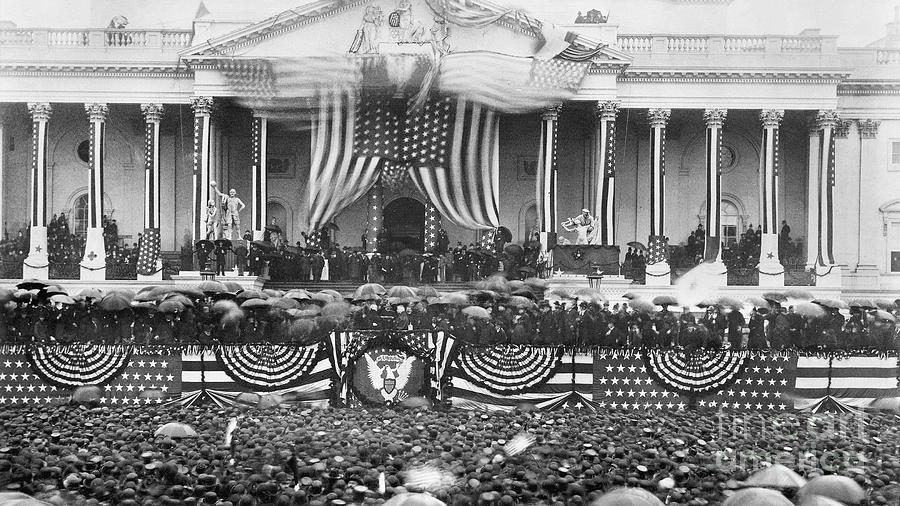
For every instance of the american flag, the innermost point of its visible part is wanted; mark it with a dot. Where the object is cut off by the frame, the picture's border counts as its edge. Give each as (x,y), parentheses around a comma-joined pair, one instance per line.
(146,379)
(148,254)
(453,148)
(659,250)
(377,127)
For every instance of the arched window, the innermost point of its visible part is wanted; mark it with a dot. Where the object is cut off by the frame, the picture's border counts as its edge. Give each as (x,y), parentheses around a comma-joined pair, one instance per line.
(80,215)
(732,223)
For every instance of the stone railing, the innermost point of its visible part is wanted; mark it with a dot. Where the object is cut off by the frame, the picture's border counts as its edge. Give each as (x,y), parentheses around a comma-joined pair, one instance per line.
(887,56)
(720,44)
(42,37)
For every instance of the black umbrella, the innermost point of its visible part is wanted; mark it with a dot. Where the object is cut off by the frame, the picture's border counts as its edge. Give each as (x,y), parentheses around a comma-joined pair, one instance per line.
(637,245)
(31,284)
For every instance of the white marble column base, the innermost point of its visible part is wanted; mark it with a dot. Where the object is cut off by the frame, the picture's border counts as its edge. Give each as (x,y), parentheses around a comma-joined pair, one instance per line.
(93,264)
(37,264)
(828,276)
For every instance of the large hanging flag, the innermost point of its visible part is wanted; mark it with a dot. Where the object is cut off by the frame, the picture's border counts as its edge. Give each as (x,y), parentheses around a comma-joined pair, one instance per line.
(452,146)
(148,253)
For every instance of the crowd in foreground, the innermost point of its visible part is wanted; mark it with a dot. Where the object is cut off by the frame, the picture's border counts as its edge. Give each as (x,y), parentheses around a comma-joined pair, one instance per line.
(495,311)
(95,456)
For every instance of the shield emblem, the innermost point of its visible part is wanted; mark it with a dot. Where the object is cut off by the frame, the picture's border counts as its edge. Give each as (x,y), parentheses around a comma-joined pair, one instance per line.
(389,384)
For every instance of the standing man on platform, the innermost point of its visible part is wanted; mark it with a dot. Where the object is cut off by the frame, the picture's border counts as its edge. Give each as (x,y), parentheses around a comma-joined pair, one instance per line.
(232,206)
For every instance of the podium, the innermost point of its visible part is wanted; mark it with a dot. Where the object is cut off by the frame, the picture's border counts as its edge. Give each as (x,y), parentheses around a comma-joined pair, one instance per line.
(586,259)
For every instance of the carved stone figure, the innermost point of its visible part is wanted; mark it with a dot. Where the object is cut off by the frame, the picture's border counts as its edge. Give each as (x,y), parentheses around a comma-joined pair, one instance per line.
(366,40)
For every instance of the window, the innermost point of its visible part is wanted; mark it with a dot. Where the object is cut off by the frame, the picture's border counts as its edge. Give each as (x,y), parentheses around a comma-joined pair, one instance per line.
(895,152)
(80,216)
(731,223)
(894,246)
(84,151)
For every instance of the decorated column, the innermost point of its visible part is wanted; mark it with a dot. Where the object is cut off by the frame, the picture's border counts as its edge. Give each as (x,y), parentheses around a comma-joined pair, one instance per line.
(828,273)
(375,219)
(260,176)
(812,197)
(149,266)
(202,111)
(771,271)
(93,264)
(546,180)
(36,264)
(2,165)
(868,151)
(605,171)
(432,226)
(658,271)
(715,120)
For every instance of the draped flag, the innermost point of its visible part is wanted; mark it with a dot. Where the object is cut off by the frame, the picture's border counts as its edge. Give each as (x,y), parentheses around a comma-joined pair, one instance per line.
(453,149)
(851,381)
(338,177)
(148,253)
(464,13)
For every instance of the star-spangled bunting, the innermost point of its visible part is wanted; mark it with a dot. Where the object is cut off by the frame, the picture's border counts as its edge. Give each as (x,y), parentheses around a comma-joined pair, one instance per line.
(148,252)
(659,250)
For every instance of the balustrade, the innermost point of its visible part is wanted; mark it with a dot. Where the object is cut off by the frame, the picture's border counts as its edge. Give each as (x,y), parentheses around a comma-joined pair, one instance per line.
(68,38)
(687,44)
(801,44)
(745,44)
(635,43)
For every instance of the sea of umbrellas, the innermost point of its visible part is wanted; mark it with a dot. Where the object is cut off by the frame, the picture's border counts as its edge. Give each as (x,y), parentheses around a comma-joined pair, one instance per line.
(418,454)
(493,311)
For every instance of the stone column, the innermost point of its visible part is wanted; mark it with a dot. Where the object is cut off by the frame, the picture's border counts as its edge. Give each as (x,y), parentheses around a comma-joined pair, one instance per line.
(605,171)
(202,111)
(3,148)
(658,270)
(260,176)
(36,264)
(771,271)
(715,120)
(546,180)
(812,198)
(868,151)
(93,264)
(828,273)
(152,116)
(375,220)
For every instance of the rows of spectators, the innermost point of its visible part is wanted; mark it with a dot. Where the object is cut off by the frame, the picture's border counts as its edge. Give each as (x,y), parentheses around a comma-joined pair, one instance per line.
(481,317)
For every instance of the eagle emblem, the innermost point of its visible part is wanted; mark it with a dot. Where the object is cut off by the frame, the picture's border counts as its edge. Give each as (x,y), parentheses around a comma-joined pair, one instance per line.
(390,380)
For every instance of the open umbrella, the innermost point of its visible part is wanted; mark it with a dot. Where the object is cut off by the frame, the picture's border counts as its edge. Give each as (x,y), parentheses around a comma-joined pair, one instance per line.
(798,294)
(305,313)
(631,296)
(708,301)
(367,290)
(477,312)
(401,291)
(284,303)
(146,296)
(730,302)
(757,497)
(211,286)
(862,303)
(757,302)
(455,299)
(190,291)
(170,306)
(115,301)
(536,283)
(831,303)
(31,284)
(884,315)
(627,497)
(514,250)
(776,476)
(524,292)
(427,291)
(818,500)
(224,306)
(255,303)
(839,488)
(175,430)
(53,290)
(494,283)
(322,298)
(637,245)
(271,292)
(886,305)
(776,296)
(298,294)
(62,299)
(250,294)
(519,302)
(642,306)
(231,286)
(182,299)
(665,300)
(809,310)
(337,308)
(6,294)
(558,293)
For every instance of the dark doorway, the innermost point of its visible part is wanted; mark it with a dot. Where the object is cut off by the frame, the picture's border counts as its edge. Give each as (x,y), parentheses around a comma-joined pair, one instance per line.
(404,222)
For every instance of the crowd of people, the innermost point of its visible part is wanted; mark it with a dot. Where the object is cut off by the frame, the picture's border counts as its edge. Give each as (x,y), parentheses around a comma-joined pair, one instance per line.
(743,253)
(85,455)
(497,312)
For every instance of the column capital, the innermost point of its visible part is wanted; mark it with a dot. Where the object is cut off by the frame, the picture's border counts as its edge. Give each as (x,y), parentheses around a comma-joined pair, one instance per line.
(152,112)
(606,110)
(257,113)
(715,117)
(842,129)
(202,106)
(96,111)
(551,112)
(658,117)
(40,111)
(771,118)
(826,118)
(868,128)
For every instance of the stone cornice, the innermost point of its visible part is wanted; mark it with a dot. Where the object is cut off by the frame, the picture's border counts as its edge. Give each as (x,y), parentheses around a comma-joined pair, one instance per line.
(861,87)
(94,70)
(735,76)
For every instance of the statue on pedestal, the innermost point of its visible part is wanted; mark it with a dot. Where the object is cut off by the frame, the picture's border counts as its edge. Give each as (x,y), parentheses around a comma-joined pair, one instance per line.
(232,207)
(583,224)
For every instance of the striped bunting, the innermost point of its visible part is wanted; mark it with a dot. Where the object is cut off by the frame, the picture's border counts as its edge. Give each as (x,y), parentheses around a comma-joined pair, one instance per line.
(202,372)
(508,369)
(855,381)
(697,372)
(78,364)
(268,367)
(574,373)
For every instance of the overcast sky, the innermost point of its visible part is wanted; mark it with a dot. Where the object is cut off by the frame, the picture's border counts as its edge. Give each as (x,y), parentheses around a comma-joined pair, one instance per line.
(856,22)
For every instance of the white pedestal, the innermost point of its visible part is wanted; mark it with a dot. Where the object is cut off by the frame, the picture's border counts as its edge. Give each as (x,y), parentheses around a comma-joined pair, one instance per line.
(771,272)
(37,264)
(769,277)
(658,274)
(828,276)
(157,276)
(93,264)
